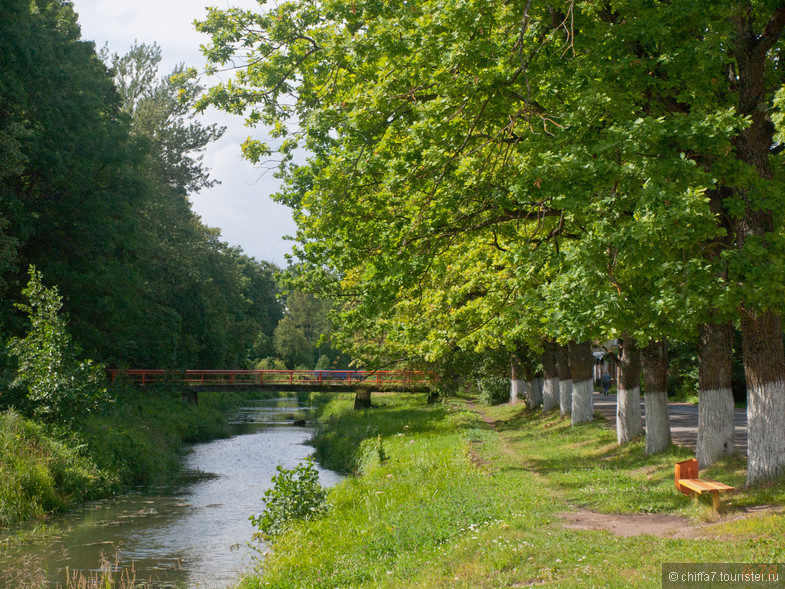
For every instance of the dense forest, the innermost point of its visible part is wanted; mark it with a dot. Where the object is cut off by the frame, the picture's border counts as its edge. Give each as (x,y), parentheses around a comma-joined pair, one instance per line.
(99,155)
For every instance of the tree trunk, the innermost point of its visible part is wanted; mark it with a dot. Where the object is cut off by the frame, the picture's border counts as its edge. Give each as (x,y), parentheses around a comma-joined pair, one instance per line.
(565,380)
(536,390)
(629,422)
(550,385)
(764,356)
(517,386)
(655,377)
(533,392)
(582,371)
(715,397)
(362,399)
(763,366)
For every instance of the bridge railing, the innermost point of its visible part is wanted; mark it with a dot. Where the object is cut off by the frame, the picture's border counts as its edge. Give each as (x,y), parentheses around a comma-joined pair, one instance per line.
(380,378)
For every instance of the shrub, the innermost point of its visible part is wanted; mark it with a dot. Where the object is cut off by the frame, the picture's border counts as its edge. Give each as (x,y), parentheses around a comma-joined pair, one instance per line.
(295,495)
(494,390)
(57,387)
(270,363)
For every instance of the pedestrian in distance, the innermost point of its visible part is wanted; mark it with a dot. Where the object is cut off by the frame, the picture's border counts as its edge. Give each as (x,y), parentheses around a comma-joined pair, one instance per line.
(606,383)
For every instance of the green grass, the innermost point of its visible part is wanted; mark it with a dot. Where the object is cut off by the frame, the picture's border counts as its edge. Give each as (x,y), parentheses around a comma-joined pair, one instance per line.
(465,503)
(40,473)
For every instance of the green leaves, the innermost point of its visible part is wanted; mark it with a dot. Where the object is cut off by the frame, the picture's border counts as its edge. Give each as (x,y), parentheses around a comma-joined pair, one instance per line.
(483,174)
(296,495)
(59,388)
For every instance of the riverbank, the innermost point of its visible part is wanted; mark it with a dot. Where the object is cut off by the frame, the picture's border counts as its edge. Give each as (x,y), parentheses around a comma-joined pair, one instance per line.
(185,531)
(131,442)
(462,495)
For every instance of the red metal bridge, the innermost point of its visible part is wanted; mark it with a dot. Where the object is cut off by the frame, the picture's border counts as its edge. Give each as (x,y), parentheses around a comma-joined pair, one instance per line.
(285,380)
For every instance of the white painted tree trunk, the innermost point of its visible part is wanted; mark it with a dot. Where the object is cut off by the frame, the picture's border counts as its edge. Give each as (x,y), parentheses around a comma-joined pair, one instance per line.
(550,394)
(716,431)
(534,387)
(550,386)
(764,367)
(715,398)
(765,431)
(565,380)
(658,429)
(565,397)
(517,390)
(655,376)
(629,421)
(582,371)
(533,394)
(582,402)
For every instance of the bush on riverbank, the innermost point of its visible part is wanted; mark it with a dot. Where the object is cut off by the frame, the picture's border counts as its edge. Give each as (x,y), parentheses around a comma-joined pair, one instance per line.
(141,435)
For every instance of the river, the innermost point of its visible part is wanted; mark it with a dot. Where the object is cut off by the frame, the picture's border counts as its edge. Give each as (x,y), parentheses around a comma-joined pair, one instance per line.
(189,532)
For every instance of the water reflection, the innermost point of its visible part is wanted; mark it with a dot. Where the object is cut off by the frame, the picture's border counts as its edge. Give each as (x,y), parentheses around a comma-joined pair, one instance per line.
(191,532)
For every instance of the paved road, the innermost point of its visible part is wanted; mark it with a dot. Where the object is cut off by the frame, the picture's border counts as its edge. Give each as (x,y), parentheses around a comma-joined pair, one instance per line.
(683,420)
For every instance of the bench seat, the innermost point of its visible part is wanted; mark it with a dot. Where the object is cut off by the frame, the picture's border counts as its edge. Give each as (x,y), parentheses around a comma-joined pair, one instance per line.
(692,485)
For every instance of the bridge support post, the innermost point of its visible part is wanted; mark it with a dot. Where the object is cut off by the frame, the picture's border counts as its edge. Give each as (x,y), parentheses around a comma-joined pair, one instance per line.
(362,399)
(190,396)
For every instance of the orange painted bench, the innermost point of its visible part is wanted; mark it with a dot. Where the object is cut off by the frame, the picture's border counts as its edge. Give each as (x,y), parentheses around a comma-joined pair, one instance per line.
(687,482)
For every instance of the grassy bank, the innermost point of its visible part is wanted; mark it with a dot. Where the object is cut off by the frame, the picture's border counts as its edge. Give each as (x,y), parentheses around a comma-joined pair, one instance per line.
(132,441)
(463,496)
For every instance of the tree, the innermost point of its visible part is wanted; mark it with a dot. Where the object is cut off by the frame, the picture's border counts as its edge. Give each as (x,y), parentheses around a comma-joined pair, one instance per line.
(58,387)
(161,110)
(757,31)
(303,336)
(562,155)
(291,344)
(204,303)
(65,190)
(96,166)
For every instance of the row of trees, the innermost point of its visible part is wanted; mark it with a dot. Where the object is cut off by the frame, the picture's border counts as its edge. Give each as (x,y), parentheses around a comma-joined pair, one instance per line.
(98,154)
(506,176)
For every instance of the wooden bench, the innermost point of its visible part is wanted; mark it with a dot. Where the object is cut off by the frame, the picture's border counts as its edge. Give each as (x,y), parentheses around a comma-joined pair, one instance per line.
(687,482)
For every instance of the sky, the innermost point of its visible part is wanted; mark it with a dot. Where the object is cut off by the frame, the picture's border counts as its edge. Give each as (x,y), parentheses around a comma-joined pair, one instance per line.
(240,206)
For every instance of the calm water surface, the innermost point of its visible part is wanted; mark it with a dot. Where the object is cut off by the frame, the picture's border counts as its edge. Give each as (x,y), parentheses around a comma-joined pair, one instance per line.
(190,532)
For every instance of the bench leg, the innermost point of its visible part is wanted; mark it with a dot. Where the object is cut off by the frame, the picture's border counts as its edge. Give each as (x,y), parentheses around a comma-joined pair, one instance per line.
(715,496)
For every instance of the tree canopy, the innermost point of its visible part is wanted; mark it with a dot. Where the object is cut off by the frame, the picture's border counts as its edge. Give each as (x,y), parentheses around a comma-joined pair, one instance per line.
(483,174)
(501,151)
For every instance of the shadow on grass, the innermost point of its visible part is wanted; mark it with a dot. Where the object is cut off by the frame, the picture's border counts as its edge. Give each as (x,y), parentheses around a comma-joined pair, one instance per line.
(341,430)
